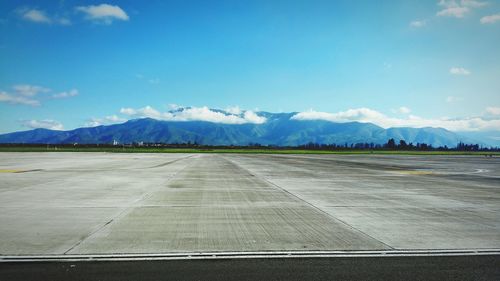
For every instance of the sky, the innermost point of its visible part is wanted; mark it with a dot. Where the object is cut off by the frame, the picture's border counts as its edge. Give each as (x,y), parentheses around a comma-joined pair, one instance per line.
(69,64)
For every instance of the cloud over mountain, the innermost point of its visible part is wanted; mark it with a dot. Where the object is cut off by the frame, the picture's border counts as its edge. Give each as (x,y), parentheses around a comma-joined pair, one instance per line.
(279,129)
(45,124)
(367,115)
(196,114)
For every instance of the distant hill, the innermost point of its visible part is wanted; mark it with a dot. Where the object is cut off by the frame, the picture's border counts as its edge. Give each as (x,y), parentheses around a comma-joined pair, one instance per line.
(279,129)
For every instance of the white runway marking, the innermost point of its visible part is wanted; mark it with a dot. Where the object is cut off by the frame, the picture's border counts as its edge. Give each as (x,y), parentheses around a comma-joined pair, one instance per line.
(251,255)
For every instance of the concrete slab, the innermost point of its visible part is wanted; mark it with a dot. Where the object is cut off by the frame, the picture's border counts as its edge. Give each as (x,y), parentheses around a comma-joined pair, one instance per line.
(69,196)
(213,205)
(453,206)
(35,231)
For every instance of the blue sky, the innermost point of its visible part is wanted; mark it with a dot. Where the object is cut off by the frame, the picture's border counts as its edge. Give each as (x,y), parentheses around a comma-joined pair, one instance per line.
(67,64)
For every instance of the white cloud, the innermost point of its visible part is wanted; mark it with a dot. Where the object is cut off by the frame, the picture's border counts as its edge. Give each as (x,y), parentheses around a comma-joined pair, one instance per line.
(451,99)
(493,110)
(404,110)
(453,8)
(234,110)
(368,115)
(23,94)
(128,111)
(195,114)
(459,71)
(473,3)
(93,122)
(154,81)
(45,124)
(14,99)
(104,13)
(418,23)
(70,93)
(29,90)
(147,111)
(39,16)
(27,94)
(35,15)
(490,19)
(458,12)
(174,106)
(252,117)
(359,114)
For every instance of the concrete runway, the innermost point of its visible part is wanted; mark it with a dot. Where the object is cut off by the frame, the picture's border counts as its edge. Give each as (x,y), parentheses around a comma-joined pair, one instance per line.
(100,203)
(70,205)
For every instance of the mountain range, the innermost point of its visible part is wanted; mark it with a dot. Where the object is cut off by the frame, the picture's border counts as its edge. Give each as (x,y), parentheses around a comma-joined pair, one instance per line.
(279,129)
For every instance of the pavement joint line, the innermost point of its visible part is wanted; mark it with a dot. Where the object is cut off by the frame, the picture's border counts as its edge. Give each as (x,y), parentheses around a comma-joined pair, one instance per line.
(248,255)
(167,163)
(172,176)
(313,206)
(128,209)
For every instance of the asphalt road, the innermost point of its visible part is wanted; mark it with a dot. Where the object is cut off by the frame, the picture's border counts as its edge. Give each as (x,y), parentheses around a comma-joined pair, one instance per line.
(455,268)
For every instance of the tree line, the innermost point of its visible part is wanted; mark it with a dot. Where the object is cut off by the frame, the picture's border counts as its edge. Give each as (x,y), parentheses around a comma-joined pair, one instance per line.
(391,144)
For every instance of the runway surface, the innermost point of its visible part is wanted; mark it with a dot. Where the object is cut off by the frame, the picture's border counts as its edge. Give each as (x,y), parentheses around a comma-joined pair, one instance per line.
(102,203)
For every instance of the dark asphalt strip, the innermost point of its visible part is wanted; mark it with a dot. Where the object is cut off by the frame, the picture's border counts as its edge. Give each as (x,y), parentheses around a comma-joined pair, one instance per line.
(481,267)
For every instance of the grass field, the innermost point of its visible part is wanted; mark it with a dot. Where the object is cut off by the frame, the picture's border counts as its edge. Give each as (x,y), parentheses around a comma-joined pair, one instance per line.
(232,150)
